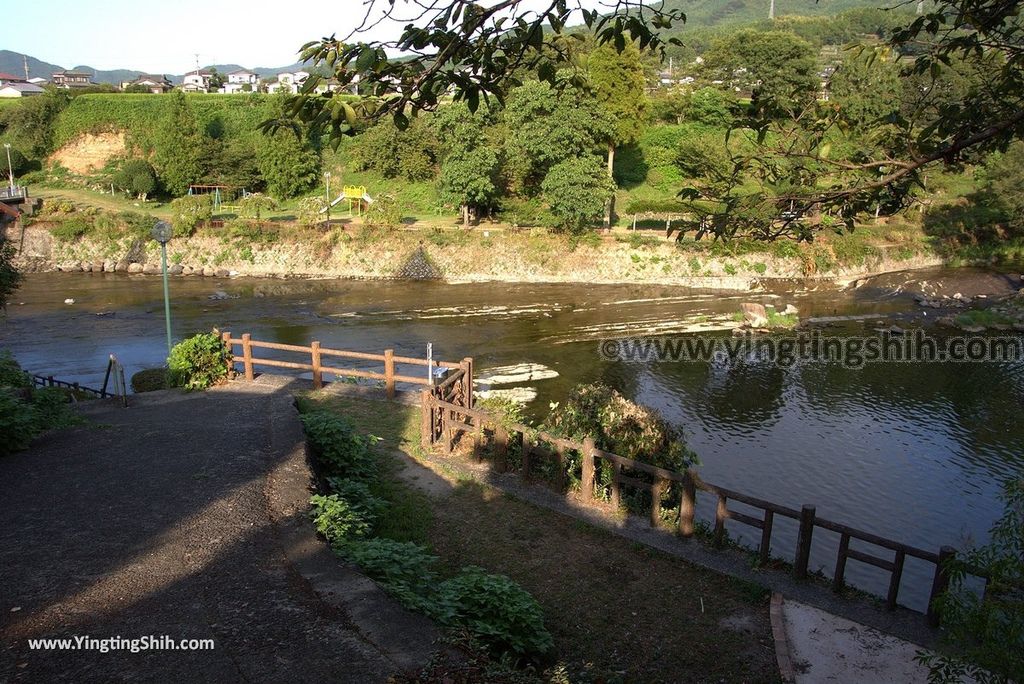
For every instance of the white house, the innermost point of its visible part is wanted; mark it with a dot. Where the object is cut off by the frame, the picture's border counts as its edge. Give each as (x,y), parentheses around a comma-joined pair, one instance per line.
(242,77)
(20,90)
(197,81)
(288,81)
(38,81)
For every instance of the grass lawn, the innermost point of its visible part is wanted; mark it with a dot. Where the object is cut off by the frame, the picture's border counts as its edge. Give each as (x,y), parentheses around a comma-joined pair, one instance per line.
(618,610)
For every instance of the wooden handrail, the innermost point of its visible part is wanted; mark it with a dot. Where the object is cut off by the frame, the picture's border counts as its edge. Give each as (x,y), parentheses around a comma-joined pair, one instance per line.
(447,418)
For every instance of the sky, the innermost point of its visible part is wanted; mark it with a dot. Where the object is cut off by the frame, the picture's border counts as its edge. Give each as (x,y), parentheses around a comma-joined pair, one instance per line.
(162,36)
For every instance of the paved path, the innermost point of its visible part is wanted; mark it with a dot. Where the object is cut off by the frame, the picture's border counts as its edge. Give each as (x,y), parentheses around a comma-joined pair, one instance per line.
(184,515)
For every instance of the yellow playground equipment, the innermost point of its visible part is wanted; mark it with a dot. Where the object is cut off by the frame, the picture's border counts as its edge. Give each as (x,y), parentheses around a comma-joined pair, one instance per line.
(356,197)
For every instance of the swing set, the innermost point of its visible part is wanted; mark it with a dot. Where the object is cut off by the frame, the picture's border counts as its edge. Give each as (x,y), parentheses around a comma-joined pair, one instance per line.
(220,194)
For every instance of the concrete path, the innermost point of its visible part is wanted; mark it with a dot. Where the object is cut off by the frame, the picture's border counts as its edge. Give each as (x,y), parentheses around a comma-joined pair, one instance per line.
(185,515)
(827,648)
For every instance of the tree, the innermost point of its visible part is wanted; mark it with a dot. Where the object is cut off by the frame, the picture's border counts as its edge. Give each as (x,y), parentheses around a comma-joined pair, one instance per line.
(287,159)
(780,68)
(986,634)
(136,176)
(545,125)
(577,191)
(180,147)
(254,204)
(216,80)
(10,278)
(617,78)
(1002,178)
(411,153)
(470,164)
(867,87)
(30,124)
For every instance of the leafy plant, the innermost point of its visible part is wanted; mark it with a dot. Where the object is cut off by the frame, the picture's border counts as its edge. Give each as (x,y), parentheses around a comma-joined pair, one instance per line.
(337,520)
(71,228)
(341,452)
(11,373)
(189,212)
(18,424)
(497,611)
(385,212)
(406,570)
(199,362)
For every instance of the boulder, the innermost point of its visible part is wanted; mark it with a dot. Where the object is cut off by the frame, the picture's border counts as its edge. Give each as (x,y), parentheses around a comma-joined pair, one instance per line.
(187,270)
(151,269)
(754,315)
(86,266)
(120,267)
(108,266)
(223,273)
(175,269)
(219,294)
(209,272)
(135,268)
(790,310)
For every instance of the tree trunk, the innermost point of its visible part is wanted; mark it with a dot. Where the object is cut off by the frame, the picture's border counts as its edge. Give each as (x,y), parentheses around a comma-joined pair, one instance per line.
(465,216)
(610,208)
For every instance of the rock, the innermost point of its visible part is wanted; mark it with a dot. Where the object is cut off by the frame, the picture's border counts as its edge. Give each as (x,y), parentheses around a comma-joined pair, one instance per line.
(219,294)
(135,268)
(232,273)
(175,269)
(69,301)
(896,330)
(188,270)
(86,266)
(958,296)
(151,269)
(222,273)
(108,266)
(209,272)
(790,310)
(754,315)
(97,267)
(120,268)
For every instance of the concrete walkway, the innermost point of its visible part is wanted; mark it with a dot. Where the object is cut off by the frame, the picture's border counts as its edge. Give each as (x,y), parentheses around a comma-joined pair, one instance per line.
(827,648)
(185,515)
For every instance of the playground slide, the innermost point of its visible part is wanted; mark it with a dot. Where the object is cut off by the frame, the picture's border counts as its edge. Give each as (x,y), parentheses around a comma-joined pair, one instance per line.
(348,195)
(367,198)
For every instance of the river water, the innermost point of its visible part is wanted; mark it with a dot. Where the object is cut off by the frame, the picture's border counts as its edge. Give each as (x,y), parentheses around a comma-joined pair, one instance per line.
(915,452)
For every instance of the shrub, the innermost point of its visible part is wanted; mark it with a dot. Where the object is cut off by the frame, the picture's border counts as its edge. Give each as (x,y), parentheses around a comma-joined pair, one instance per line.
(189,211)
(254,204)
(359,497)
(404,569)
(384,212)
(51,409)
(497,611)
(11,373)
(310,211)
(199,362)
(149,380)
(340,451)
(17,423)
(337,520)
(72,228)
(137,177)
(620,426)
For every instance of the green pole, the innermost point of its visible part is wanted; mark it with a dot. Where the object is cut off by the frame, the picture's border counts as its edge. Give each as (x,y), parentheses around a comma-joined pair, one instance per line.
(167,296)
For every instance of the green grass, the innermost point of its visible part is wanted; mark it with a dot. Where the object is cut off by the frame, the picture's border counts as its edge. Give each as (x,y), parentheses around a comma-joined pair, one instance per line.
(983,318)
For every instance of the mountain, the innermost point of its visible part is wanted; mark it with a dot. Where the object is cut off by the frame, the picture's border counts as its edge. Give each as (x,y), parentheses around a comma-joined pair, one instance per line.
(701,13)
(13,63)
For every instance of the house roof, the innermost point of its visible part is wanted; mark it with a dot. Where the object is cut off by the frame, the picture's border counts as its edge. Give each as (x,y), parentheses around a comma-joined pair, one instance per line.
(199,72)
(73,73)
(242,71)
(10,77)
(23,88)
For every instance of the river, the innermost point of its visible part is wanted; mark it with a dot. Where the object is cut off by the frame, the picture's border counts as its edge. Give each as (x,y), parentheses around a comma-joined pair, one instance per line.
(915,452)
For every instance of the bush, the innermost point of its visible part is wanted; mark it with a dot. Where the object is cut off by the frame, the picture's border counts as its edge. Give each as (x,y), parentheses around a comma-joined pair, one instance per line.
(199,362)
(620,426)
(337,520)
(254,204)
(310,211)
(384,213)
(340,451)
(359,497)
(11,373)
(497,611)
(149,380)
(137,177)
(404,569)
(577,190)
(17,423)
(72,228)
(189,212)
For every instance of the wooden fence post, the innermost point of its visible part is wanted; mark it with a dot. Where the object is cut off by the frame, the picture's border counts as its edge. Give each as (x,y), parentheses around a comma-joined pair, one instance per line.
(426,419)
(940,583)
(501,448)
(687,505)
(894,580)
(524,449)
(247,357)
(765,550)
(803,541)
(389,373)
(839,576)
(318,376)
(587,469)
(467,364)
(721,513)
(660,485)
(616,498)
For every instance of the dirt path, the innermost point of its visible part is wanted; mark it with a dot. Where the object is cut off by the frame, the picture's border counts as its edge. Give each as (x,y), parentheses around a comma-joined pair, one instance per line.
(184,516)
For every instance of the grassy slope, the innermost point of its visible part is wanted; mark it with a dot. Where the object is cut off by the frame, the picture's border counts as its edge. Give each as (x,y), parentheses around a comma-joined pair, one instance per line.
(618,611)
(716,12)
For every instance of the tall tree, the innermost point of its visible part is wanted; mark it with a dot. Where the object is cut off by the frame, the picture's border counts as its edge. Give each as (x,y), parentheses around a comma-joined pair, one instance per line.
(287,159)
(469,167)
(180,147)
(620,87)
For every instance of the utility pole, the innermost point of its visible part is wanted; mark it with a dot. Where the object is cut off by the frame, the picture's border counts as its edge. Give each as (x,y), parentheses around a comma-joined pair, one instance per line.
(24,59)
(771,10)
(327,180)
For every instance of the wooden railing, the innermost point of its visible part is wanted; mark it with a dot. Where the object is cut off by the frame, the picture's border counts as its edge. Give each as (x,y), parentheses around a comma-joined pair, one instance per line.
(114,370)
(445,421)
(316,365)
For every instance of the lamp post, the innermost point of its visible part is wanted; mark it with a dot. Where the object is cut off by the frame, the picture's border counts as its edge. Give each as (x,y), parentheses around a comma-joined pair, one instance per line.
(327,180)
(162,232)
(10,168)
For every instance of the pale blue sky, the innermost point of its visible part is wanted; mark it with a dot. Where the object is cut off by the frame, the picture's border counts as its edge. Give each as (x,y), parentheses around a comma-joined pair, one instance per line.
(163,37)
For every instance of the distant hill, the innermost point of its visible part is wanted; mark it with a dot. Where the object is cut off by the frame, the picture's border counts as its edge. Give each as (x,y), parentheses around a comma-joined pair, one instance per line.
(700,13)
(13,63)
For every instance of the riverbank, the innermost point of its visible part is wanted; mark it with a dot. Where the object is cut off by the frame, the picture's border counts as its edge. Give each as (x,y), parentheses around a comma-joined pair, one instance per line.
(459,256)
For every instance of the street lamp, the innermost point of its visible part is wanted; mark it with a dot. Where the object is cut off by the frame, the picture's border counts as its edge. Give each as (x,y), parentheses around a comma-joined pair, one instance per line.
(327,179)
(10,168)
(162,233)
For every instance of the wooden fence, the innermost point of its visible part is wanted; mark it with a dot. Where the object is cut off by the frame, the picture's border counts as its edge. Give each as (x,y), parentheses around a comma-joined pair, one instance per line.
(445,420)
(461,371)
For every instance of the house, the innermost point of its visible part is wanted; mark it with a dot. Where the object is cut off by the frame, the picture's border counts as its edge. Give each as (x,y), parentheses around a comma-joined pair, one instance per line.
(153,83)
(6,78)
(243,77)
(38,81)
(290,82)
(20,90)
(197,81)
(72,79)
